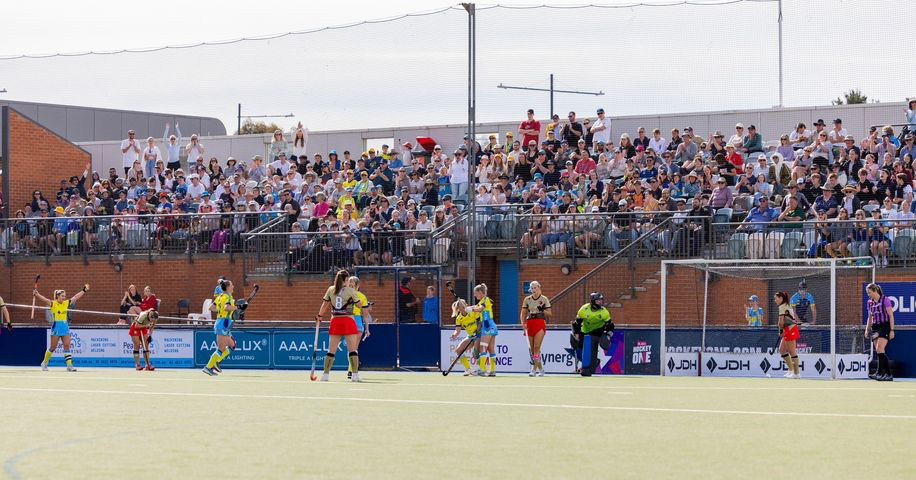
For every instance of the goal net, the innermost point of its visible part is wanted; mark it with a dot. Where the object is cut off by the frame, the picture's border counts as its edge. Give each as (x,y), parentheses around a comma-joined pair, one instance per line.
(718,317)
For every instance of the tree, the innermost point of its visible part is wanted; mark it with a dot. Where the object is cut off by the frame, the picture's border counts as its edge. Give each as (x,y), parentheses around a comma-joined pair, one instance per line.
(250,127)
(852,97)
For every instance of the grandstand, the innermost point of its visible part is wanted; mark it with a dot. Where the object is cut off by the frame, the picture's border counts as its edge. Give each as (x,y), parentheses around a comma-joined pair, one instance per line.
(681,220)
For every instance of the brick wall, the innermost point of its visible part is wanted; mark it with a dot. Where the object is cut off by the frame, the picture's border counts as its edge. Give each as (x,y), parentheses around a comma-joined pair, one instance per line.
(175,278)
(38,160)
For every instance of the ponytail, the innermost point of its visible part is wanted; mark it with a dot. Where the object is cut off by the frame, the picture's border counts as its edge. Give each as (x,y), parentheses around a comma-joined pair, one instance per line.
(340,281)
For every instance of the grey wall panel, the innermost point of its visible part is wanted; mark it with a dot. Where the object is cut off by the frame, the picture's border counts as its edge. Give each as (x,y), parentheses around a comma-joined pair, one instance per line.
(80,125)
(156,124)
(29,110)
(108,125)
(139,122)
(211,126)
(189,126)
(53,118)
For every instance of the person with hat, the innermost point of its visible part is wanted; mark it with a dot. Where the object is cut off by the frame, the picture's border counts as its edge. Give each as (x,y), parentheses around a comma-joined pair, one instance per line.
(753,142)
(737,140)
(458,174)
(716,144)
(838,134)
(601,128)
(802,301)
(194,151)
(753,313)
(685,150)
(825,202)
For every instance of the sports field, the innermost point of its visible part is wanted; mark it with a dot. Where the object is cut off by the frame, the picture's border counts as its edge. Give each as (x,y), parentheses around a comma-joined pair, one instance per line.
(118,423)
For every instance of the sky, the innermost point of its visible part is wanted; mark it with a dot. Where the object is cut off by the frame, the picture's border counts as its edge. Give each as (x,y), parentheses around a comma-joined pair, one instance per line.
(646,59)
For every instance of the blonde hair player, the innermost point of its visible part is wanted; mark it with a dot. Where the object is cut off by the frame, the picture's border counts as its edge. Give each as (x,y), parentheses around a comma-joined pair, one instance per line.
(533,317)
(341,299)
(488,330)
(362,314)
(470,323)
(60,328)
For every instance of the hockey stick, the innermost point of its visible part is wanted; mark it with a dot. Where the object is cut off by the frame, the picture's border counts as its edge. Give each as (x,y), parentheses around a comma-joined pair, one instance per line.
(471,341)
(314,377)
(33,296)
(243,304)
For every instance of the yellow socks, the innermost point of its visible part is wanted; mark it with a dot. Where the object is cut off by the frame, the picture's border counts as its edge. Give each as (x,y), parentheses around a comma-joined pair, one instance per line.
(464,361)
(482,362)
(47,357)
(328,361)
(213,359)
(354,362)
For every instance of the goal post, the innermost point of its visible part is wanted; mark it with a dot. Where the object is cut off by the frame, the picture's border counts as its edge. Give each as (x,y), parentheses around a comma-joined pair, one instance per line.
(709,324)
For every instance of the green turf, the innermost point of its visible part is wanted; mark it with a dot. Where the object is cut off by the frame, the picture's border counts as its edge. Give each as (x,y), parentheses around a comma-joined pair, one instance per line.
(118,423)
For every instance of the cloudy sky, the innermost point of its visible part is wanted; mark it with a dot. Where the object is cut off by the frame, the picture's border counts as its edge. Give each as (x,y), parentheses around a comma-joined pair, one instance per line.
(646,59)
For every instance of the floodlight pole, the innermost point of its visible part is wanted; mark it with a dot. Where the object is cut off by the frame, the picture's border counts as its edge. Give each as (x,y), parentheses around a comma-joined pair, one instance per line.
(779,20)
(551,90)
(472,154)
(240,117)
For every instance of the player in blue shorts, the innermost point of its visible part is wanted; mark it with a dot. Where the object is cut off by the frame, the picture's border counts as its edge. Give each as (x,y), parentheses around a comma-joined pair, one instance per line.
(801,301)
(224,305)
(488,331)
(60,328)
(362,315)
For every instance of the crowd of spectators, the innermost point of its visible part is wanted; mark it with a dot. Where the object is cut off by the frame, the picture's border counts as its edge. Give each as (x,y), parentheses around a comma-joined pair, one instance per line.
(566,167)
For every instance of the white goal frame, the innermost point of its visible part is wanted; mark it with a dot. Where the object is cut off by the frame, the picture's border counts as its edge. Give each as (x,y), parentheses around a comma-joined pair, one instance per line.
(788,263)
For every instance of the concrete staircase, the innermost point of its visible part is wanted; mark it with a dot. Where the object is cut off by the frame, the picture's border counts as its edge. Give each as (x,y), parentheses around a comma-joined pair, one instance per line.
(646,283)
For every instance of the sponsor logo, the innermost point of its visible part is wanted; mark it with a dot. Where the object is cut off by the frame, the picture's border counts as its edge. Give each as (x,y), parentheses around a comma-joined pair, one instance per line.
(684,364)
(243,346)
(820,366)
(728,365)
(852,366)
(642,353)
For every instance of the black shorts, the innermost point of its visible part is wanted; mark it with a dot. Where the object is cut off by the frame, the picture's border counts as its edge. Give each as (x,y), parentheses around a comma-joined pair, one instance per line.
(881,330)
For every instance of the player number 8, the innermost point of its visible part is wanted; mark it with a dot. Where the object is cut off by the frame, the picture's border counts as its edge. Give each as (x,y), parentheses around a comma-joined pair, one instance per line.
(338,303)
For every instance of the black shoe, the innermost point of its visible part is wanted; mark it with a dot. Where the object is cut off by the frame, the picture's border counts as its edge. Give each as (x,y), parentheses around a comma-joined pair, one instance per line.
(873,375)
(886,377)
(349,374)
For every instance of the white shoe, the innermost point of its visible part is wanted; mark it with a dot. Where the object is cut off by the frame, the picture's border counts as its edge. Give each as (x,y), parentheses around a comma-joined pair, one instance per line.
(492,373)
(481,373)
(533,372)
(797,376)
(788,374)
(884,261)
(355,378)
(468,372)
(324,377)
(44,367)
(71,369)
(541,372)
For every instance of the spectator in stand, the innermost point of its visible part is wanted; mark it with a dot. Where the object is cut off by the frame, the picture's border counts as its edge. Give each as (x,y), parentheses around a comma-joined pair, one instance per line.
(878,238)
(585,165)
(800,137)
(908,147)
(458,174)
(716,144)
(172,148)
(737,140)
(130,151)
(194,151)
(278,145)
(825,202)
(258,171)
(641,139)
(685,150)
(530,129)
(151,155)
(658,143)
(840,235)
(721,196)
(757,224)
(753,142)
(572,131)
(822,150)
(838,134)
(601,128)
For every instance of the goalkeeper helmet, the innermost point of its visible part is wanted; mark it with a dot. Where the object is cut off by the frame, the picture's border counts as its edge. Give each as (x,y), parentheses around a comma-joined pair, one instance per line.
(597,300)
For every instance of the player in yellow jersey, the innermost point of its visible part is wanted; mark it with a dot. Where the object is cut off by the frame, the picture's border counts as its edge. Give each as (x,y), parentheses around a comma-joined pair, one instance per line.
(488,330)
(470,323)
(223,305)
(60,328)
(341,299)
(362,314)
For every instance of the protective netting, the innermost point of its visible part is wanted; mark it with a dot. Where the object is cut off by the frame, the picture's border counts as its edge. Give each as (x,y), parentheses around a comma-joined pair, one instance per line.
(413,71)
(716,313)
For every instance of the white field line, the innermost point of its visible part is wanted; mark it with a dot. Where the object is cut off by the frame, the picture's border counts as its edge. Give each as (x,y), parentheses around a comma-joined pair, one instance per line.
(605,383)
(472,404)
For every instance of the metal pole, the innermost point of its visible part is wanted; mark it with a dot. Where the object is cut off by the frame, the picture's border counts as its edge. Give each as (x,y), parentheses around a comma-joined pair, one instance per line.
(832,318)
(551,95)
(472,154)
(239,131)
(779,20)
(705,306)
(661,331)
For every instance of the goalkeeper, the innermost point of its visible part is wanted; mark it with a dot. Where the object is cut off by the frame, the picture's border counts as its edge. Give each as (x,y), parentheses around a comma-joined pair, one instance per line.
(591,329)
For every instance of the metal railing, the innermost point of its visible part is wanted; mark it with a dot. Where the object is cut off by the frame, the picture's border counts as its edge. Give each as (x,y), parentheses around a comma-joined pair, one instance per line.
(147,234)
(606,277)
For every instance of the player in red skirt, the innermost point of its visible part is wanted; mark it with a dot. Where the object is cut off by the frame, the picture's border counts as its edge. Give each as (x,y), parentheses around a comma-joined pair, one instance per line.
(534,314)
(140,330)
(788,329)
(341,299)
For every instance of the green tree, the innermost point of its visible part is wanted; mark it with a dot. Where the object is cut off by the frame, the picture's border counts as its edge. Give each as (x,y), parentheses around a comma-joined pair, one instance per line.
(852,97)
(250,127)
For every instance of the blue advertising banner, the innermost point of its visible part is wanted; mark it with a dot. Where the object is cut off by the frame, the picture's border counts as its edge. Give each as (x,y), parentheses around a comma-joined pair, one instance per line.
(252,348)
(293,349)
(903,300)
